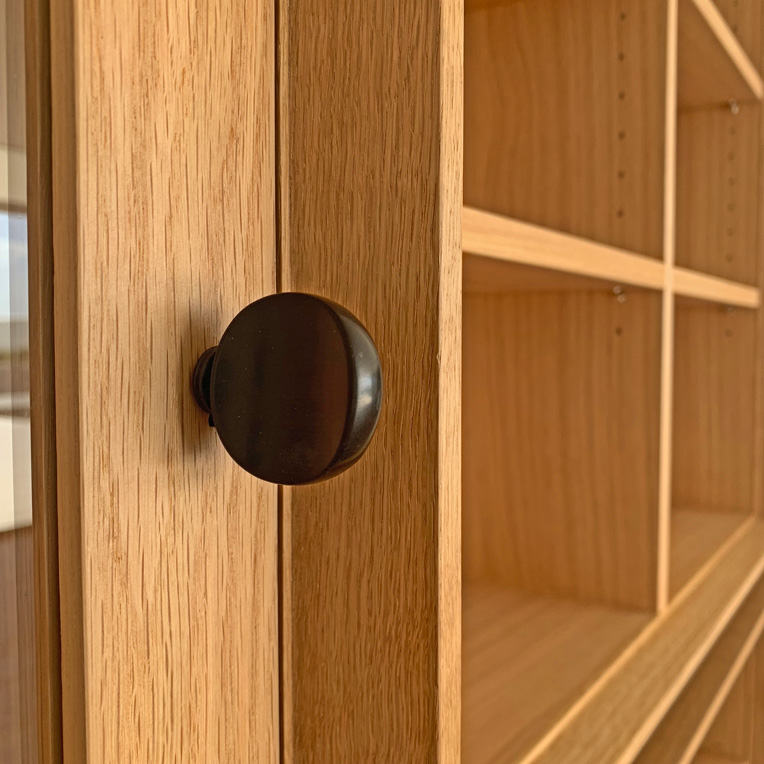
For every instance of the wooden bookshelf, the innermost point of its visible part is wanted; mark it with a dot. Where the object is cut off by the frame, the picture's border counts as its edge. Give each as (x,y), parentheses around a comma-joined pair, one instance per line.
(613,416)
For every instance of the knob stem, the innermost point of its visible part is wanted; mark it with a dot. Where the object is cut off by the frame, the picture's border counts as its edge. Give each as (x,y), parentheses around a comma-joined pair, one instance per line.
(201,380)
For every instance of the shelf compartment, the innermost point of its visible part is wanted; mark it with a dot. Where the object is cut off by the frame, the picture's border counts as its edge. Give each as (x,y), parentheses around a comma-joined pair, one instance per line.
(697,540)
(713,68)
(731,736)
(564,117)
(617,717)
(525,662)
(561,401)
(714,438)
(682,731)
(717,193)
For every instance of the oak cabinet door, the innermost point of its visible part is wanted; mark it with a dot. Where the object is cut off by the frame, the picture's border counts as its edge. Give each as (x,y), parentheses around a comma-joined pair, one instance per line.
(163,229)
(205,154)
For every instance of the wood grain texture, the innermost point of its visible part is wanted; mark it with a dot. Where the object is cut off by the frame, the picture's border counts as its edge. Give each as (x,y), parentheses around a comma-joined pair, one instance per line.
(526,661)
(373,129)
(731,734)
(697,541)
(564,127)
(714,373)
(682,731)
(164,162)
(560,469)
(713,66)
(41,382)
(615,720)
(718,180)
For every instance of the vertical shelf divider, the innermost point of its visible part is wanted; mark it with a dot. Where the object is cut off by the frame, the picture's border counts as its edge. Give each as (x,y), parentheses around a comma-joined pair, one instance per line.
(667,321)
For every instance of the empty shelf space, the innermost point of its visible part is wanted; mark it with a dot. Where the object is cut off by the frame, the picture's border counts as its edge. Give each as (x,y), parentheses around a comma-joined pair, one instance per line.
(616,720)
(713,68)
(512,241)
(697,539)
(526,660)
(682,731)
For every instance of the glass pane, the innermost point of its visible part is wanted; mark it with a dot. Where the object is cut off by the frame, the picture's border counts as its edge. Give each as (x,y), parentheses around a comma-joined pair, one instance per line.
(17,643)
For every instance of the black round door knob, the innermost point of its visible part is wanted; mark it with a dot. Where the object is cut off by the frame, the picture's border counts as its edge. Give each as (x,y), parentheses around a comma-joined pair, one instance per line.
(294,389)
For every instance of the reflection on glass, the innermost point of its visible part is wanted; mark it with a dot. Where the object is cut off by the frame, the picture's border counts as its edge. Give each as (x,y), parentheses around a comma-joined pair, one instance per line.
(18,735)
(15,479)
(15,454)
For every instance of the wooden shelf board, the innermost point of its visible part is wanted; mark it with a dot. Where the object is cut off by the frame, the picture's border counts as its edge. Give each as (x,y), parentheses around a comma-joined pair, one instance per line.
(697,540)
(701,286)
(525,661)
(713,68)
(505,255)
(616,717)
(488,275)
(512,241)
(682,731)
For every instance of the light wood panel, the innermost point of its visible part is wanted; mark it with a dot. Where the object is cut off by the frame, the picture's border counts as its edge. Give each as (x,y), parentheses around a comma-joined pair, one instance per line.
(564,125)
(526,660)
(682,731)
(697,540)
(718,180)
(371,105)
(714,375)
(163,168)
(713,66)
(731,734)
(614,721)
(560,478)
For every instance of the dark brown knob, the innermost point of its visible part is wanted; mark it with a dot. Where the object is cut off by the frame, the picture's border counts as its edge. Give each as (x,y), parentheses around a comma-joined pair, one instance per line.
(294,388)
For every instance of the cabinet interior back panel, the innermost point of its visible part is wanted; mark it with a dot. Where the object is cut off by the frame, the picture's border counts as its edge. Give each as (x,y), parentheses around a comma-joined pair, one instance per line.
(560,422)
(564,116)
(718,178)
(714,388)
